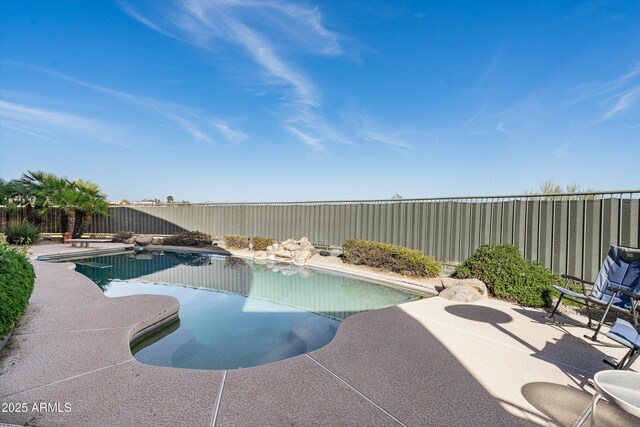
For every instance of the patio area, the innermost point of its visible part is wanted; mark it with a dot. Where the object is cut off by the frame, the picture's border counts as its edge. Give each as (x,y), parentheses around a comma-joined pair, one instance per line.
(428,362)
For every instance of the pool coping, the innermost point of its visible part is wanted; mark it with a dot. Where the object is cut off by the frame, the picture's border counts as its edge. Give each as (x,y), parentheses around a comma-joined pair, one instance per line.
(332,385)
(70,256)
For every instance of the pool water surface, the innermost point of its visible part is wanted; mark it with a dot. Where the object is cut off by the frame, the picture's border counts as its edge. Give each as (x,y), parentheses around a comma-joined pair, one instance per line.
(235,313)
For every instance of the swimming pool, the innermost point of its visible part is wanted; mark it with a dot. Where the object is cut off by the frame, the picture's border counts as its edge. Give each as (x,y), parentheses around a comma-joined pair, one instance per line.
(235,313)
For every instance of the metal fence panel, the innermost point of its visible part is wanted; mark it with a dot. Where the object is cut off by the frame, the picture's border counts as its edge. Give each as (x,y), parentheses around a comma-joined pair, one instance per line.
(567,234)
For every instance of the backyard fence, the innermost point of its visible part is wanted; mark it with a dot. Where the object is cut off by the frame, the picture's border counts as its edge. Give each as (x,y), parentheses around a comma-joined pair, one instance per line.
(567,233)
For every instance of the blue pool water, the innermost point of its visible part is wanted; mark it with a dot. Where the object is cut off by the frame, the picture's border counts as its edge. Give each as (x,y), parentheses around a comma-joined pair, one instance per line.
(235,313)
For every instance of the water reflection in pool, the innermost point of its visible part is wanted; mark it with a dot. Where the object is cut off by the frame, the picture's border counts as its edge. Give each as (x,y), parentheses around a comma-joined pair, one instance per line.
(235,313)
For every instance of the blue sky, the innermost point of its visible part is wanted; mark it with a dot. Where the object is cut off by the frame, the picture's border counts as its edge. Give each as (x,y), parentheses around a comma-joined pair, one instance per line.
(243,100)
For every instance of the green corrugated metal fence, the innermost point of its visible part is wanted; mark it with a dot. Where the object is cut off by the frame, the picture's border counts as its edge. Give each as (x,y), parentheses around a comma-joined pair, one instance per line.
(568,233)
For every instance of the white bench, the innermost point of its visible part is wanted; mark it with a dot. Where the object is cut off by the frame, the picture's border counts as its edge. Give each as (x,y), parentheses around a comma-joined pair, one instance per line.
(84,243)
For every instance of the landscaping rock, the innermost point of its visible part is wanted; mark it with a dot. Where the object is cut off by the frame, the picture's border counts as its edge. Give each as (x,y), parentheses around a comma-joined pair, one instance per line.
(157,241)
(283,253)
(143,239)
(292,247)
(290,250)
(129,241)
(461,293)
(302,256)
(478,285)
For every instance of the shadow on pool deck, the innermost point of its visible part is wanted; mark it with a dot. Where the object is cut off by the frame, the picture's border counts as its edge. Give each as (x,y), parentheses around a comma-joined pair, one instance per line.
(386,356)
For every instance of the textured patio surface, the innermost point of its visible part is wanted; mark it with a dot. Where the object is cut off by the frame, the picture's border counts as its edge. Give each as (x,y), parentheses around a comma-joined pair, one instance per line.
(426,363)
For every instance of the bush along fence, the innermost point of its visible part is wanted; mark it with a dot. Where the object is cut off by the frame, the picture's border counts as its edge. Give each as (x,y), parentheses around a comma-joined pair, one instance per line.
(568,233)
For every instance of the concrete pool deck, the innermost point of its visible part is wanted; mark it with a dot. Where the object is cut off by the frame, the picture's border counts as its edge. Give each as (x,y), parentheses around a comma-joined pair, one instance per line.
(427,362)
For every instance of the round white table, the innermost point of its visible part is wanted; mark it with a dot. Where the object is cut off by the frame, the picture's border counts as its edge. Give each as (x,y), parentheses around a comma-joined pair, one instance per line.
(619,387)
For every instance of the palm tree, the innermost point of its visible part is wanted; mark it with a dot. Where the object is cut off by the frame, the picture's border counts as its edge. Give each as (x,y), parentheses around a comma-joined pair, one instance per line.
(41,191)
(69,200)
(37,190)
(93,203)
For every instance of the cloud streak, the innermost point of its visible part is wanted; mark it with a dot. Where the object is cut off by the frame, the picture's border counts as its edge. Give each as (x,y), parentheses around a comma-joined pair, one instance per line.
(623,102)
(619,94)
(266,32)
(47,124)
(195,123)
(259,27)
(310,141)
(591,90)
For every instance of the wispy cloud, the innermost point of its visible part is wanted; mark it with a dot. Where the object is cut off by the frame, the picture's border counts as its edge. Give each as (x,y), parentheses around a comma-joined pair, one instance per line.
(231,135)
(385,138)
(309,140)
(194,122)
(372,130)
(616,95)
(47,124)
(266,32)
(369,130)
(623,101)
(262,29)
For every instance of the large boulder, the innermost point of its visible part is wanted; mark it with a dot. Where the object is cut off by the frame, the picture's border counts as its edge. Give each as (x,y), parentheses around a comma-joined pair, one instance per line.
(461,293)
(144,239)
(462,290)
(478,285)
(296,251)
(283,253)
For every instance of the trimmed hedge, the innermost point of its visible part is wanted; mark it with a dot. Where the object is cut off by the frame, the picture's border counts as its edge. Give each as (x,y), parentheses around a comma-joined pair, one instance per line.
(188,238)
(22,233)
(390,257)
(508,275)
(235,241)
(261,243)
(16,284)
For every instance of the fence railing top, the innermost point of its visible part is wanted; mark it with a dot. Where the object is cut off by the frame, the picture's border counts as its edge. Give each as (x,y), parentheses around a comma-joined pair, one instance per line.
(557,196)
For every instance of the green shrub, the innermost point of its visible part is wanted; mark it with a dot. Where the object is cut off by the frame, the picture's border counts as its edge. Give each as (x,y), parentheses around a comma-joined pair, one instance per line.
(261,243)
(390,257)
(508,275)
(16,284)
(188,238)
(121,236)
(234,241)
(22,233)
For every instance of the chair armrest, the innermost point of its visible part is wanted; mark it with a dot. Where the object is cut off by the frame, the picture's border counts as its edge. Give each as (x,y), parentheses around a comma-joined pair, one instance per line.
(575,279)
(625,291)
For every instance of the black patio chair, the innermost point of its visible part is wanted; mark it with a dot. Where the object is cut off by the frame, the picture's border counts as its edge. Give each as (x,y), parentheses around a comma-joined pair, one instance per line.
(617,286)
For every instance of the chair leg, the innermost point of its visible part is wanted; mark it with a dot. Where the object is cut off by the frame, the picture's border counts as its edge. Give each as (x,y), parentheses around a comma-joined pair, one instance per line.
(589,323)
(553,312)
(624,363)
(631,360)
(604,316)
